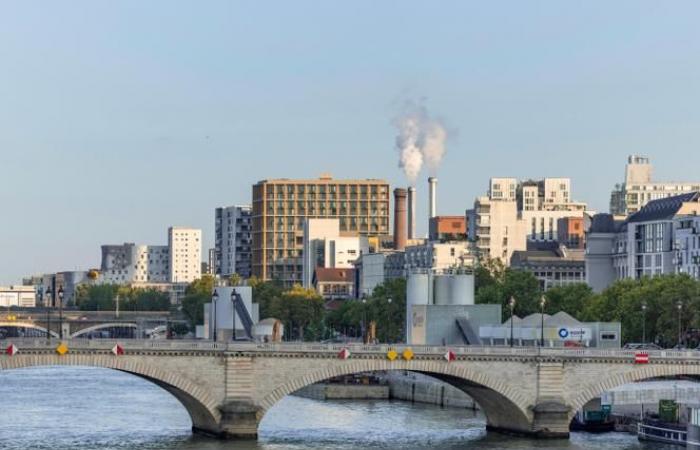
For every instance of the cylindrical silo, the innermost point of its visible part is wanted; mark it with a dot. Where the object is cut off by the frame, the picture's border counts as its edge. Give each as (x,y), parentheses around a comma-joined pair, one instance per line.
(418,289)
(443,291)
(462,289)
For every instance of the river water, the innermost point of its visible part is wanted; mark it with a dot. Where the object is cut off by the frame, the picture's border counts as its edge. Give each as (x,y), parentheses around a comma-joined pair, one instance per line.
(84,408)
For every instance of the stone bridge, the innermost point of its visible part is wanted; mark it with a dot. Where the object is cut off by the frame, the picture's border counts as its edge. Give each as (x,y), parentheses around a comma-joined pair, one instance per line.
(228,387)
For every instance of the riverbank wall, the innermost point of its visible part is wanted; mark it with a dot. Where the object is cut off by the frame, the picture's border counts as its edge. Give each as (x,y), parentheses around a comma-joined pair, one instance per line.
(334,391)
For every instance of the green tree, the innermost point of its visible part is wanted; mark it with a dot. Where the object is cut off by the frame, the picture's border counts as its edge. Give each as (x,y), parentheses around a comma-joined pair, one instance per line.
(571,298)
(301,310)
(520,284)
(197,294)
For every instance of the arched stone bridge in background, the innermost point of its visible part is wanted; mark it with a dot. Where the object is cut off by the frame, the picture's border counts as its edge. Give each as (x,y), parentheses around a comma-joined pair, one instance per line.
(228,388)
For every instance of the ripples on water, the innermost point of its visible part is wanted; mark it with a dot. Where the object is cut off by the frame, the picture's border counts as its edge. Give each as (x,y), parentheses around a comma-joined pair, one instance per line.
(85,408)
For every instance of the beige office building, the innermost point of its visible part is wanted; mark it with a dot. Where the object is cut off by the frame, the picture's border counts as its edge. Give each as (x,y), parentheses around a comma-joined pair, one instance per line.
(281,207)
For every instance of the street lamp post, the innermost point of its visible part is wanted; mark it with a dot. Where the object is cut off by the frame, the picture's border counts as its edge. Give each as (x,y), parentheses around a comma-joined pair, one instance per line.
(511,303)
(388,319)
(644,322)
(214,299)
(233,312)
(363,328)
(679,305)
(60,311)
(49,293)
(543,302)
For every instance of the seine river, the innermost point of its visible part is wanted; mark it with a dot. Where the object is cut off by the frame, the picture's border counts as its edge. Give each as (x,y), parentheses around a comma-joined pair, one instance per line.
(84,408)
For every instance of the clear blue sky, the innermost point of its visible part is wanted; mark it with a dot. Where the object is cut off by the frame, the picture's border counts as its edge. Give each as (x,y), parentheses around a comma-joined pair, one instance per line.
(118,119)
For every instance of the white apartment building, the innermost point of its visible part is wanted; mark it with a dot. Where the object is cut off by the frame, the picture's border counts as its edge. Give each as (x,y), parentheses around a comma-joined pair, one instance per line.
(644,245)
(233,241)
(177,262)
(516,212)
(638,189)
(134,263)
(325,247)
(373,269)
(185,250)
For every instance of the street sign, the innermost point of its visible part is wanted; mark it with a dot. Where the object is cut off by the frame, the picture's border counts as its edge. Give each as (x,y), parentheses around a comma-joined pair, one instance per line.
(641,358)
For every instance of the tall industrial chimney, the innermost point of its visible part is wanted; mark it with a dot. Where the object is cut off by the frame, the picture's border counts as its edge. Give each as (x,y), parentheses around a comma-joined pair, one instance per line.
(432,189)
(400,219)
(411,212)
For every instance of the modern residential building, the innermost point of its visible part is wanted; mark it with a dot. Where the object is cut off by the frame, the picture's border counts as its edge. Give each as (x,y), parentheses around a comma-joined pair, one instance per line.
(554,266)
(447,228)
(133,263)
(517,212)
(687,245)
(638,188)
(643,245)
(178,262)
(233,241)
(324,247)
(281,207)
(333,283)
(185,251)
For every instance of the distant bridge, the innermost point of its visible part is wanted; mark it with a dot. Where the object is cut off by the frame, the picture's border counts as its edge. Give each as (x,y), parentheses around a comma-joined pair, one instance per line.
(228,388)
(34,322)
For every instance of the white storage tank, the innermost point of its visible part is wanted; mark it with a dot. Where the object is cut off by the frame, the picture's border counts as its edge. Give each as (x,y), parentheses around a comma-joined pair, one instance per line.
(443,290)
(462,289)
(418,289)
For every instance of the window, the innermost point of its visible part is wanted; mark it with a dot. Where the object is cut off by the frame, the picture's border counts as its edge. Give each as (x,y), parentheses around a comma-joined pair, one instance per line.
(608,336)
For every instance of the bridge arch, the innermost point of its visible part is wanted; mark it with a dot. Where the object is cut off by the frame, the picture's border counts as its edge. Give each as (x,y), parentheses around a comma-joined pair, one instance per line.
(103,326)
(506,407)
(27,325)
(590,391)
(201,407)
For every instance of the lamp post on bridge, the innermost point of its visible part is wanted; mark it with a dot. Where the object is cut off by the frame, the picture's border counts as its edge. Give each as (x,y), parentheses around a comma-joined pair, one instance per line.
(644,322)
(49,294)
(388,319)
(233,312)
(543,302)
(511,303)
(214,298)
(363,330)
(60,312)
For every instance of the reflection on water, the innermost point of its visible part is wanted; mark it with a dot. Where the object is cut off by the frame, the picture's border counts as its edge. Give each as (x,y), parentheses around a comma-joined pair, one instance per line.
(85,408)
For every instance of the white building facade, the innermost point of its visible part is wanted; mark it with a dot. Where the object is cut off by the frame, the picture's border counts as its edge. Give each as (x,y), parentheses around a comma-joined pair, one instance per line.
(517,212)
(687,245)
(233,241)
(185,249)
(439,255)
(638,188)
(325,247)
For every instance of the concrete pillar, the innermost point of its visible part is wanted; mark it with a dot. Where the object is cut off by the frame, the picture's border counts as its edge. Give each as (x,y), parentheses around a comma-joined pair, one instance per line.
(400,219)
(239,420)
(551,420)
(693,442)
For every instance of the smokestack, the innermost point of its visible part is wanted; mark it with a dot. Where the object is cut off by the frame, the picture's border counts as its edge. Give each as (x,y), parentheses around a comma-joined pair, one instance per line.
(400,219)
(432,189)
(411,212)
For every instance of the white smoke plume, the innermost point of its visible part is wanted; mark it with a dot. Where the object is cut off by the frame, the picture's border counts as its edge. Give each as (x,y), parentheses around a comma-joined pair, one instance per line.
(421,139)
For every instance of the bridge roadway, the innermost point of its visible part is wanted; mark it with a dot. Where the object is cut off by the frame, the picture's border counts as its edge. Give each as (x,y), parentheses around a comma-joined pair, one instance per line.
(228,387)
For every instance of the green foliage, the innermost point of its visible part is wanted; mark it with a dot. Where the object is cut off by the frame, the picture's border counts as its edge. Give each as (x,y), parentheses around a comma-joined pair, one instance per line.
(623,300)
(572,298)
(197,294)
(301,310)
(103,297)
(497,287)
(389,316)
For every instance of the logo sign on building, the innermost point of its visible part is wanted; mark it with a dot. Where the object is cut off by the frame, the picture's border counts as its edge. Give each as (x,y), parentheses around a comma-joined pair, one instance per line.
(573,334)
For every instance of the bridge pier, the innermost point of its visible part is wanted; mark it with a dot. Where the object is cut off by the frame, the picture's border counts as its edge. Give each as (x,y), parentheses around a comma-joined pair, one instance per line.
(239,420)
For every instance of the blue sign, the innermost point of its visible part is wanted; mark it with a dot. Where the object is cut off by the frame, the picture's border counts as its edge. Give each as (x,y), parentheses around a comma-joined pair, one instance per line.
(563,333)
